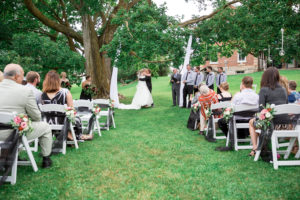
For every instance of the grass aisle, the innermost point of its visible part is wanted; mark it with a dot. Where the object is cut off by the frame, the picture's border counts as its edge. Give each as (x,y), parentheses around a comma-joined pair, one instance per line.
(152,155)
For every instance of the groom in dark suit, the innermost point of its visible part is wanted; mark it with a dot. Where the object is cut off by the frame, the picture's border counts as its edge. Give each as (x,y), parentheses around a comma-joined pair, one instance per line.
(175,81)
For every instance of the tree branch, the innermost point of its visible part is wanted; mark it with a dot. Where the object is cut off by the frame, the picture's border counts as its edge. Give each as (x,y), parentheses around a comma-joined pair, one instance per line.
(52,24)
(202,18)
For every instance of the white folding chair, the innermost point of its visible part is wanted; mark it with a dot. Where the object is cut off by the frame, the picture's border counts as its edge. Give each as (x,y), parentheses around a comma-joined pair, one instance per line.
(220,105)
(86,114)
(242,125)
(104,103)
(47,108)
(6,118)
(290,109)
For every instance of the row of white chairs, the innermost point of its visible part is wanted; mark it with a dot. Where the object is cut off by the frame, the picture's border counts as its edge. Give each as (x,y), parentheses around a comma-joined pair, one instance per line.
(277,135)
(5,118)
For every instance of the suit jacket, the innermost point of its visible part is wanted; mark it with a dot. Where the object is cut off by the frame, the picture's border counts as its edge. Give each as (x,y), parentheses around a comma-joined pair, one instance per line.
(176,78)
(148,82)
(18,98)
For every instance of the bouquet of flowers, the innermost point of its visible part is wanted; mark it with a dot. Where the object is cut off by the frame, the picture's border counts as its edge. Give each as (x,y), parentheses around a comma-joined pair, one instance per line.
(66,85)
(23,123)
(96,110)
(111,103)
(90,90)
(207,113)
(265,116)
(196,106)
(71,114)
(227,113)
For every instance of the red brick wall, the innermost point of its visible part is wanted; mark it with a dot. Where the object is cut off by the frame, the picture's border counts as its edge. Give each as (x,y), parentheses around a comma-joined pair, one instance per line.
(232,62)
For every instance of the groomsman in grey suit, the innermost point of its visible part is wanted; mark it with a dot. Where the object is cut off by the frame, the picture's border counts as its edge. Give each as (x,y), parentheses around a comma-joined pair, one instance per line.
(221,78)
(210,78)
(199,78)
(188,81)
(20,99)
(175,81)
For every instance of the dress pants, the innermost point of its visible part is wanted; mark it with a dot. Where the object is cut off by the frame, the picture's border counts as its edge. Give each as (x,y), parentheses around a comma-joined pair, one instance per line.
(211,87)
(187,90)
(218,91)
(175,96)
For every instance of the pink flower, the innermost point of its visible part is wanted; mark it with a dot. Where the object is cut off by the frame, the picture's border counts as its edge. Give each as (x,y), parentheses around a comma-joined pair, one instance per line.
(17,120)
(264,111)
(23,125)
(262,116)
(227,109)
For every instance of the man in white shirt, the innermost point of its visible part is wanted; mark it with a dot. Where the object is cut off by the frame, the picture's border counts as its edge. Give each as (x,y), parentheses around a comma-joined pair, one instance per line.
(188,80)
(210,78)
(245,96)
(33,80)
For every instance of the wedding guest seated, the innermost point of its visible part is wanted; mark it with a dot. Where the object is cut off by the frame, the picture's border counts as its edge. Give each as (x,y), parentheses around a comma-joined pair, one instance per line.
(271,92)
(294,96)
(246,96)
(33,80)
(194,115)
(84,85)
(206,98)
(54,94)
(20,99)
(224,95)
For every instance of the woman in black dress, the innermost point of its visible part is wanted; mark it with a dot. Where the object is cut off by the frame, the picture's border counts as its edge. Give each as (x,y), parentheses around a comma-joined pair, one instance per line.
(86,83)
(54,94)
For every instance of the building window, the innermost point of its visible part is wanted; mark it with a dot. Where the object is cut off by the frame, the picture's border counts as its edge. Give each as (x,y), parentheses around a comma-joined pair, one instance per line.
(213,61)
(241,58)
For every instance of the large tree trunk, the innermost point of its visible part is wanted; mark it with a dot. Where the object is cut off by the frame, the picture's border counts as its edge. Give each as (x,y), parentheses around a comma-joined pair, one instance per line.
(97,64)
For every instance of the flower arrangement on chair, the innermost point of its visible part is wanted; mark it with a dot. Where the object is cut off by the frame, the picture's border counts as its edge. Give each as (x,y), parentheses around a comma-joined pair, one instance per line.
(23,123)
(265,116)
(111,103)
(96,110)
(71,114)
(90,90)
(227,113)
(196,106)
(208,113)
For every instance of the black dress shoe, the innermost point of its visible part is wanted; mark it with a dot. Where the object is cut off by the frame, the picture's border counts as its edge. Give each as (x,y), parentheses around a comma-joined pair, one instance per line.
(47,162)
(224,149)
(210,139)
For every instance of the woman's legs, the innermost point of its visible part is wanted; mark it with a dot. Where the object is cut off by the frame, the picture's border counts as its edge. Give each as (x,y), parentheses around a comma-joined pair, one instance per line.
(253,133)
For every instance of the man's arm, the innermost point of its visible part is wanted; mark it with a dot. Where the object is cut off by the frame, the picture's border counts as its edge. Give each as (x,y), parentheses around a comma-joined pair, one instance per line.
(31,108)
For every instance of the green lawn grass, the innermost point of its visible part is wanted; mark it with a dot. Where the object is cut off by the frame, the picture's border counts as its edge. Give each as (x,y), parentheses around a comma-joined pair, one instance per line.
(152,155)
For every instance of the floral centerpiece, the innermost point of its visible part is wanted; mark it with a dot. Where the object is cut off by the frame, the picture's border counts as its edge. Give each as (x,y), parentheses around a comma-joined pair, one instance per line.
(66,85)
(96,110)
(71,114)
(265,116)
(196,106)
(90,90)
(23,123)
(227,113)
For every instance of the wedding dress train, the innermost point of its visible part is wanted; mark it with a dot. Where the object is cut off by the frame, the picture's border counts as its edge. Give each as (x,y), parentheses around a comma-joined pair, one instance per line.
(141,98)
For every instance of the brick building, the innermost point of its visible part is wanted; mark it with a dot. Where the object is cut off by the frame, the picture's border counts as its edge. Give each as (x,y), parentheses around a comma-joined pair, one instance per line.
(235,64)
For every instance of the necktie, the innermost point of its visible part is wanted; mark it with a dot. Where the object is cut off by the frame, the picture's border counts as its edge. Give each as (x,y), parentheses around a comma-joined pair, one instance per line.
(220,79)
(187,75)
(196,79)
(207,79)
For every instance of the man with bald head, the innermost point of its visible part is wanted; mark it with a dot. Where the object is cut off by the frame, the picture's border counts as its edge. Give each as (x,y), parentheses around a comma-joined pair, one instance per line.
(20,99)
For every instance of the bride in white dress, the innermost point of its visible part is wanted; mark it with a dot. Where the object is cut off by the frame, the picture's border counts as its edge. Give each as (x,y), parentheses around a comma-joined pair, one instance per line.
(142,97)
